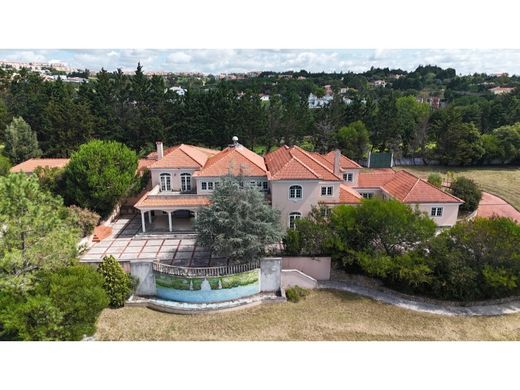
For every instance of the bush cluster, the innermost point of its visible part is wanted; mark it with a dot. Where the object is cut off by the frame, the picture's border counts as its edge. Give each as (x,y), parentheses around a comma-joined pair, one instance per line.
(296,293)
(84,219)
(473,260)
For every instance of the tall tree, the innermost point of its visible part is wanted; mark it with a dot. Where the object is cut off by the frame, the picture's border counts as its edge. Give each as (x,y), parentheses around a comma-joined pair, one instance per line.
(37,233)
(20,141)
(353,140)
(412,119)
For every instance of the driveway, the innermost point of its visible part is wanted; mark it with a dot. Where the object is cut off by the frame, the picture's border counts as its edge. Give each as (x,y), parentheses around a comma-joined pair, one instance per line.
(493,205)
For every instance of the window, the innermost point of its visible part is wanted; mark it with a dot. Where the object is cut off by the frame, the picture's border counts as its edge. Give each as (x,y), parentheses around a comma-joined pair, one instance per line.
(436,212)
(367,195)
(293,217)
(252,184)
(204,185)
(325,212)
(210,185)
(327,191)
(217,184)
(185,182)
(295,192)
(347,176)
(264,185)
(166,182)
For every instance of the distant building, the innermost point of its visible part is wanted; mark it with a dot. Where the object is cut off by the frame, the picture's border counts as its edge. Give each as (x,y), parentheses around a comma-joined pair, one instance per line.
(316,102)
(501,90)
(264,97)
(432,101)
(178,90)
(379,83)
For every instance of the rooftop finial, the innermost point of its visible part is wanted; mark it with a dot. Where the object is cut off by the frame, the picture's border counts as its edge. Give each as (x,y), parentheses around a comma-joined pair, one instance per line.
(235,140)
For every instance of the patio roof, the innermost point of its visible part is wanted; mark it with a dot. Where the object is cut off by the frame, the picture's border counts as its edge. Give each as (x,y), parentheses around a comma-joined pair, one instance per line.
(172,201)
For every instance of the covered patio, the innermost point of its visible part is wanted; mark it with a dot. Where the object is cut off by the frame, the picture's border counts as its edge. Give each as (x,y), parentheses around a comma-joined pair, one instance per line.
(169,213)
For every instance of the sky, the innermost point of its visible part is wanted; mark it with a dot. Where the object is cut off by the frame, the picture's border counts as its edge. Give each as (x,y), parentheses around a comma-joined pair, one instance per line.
(464,61)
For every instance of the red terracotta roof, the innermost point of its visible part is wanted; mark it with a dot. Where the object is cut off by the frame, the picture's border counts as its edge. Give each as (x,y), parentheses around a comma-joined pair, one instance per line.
(346,196)
(345,162)
(375,178)
(184,156)
(405,187)
(234,160)
(172,201)
(287,163)
(30,165)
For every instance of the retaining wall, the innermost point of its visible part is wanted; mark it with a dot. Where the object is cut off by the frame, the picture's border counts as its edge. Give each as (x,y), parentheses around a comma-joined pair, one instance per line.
(316,267)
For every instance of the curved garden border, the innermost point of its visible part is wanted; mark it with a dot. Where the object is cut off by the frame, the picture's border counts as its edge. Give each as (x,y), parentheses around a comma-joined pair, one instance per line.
(369,288)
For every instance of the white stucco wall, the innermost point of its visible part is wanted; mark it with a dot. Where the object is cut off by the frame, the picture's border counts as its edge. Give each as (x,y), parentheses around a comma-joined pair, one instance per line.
(175,177)
(311,197)
(449,216)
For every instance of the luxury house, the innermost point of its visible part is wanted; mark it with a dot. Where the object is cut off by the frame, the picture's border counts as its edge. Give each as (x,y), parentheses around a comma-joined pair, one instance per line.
(293,180)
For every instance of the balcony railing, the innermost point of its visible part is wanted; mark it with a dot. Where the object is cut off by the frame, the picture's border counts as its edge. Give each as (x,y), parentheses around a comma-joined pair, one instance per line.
(205,271)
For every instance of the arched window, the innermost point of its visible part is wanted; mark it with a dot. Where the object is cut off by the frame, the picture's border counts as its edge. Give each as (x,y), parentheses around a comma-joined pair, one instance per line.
(293,217)
(166,182)
(295,192)
(185,182)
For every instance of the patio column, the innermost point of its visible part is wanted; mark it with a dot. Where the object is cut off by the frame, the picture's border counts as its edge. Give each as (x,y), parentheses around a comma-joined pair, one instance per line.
(142,221)
(170,220)
(150,216)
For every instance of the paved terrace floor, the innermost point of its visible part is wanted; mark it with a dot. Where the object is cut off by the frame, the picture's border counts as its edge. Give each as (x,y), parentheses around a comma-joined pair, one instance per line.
(123,244)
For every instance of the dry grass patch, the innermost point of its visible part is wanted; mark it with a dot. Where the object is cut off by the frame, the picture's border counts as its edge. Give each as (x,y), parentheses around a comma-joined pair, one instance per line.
(501,181)
(323,315)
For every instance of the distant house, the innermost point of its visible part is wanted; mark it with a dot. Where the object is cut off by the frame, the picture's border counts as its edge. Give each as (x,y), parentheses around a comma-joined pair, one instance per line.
(317,102)
(379,83)
(264,97)
(432,101)
(30,165)
(178,90)
(501,90)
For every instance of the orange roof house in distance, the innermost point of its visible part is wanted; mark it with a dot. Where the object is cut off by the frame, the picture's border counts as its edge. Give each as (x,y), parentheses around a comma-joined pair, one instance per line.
(29,166)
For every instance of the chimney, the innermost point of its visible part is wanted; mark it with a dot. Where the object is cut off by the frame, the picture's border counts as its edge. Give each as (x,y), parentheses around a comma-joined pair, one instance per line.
(160,150)
(337,165)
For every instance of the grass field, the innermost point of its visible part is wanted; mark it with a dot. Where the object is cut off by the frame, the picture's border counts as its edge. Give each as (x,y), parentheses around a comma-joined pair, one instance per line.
(324,315)
(501,181)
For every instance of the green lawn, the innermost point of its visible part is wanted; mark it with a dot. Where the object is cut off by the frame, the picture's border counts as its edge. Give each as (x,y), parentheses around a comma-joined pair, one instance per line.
(324,315)
(501,181)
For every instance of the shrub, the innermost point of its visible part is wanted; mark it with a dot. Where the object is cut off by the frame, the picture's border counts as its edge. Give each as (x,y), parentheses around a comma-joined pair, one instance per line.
(467,190)
(296,293)
(51,179)
(435,179)
(117,283)
(84,219)
(311,235)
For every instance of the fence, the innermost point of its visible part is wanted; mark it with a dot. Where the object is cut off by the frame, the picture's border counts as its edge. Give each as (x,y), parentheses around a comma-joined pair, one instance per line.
(205,271)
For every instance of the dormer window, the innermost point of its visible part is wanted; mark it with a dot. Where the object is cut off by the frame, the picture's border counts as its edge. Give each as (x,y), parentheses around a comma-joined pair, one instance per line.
(295,192)
(166,182)
(348,177)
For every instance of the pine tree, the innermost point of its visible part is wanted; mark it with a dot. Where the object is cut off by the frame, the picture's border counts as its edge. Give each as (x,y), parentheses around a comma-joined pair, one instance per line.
(20,141)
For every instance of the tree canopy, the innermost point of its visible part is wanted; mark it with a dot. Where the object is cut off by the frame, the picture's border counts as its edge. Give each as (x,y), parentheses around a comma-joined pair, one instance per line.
(99,174)
(20,141)
(238,224)
(37,233)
